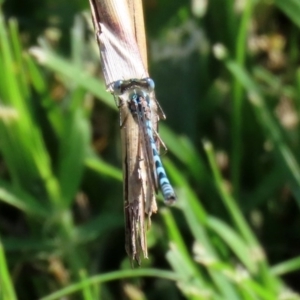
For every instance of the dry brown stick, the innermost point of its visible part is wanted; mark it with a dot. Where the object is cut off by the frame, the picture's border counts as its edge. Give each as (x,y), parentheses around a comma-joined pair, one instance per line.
(119,27)
(138,25)
(120,53)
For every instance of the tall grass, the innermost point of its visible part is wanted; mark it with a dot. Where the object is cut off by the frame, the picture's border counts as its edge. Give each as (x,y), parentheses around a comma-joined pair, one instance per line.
(233,158)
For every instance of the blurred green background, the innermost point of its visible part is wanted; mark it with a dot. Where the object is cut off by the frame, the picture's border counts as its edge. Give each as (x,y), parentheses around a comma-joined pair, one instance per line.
(227,75)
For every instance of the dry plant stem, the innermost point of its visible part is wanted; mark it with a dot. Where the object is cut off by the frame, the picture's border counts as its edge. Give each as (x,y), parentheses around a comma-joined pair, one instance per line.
(119,27)
(120,53)
(138,25)
(135,239)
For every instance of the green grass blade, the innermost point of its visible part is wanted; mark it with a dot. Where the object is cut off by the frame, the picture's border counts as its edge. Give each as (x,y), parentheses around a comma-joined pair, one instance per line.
(194,287)
(176,239)
(77,39)
(17,52)
(240,222)
(21,200)
(110,277)
(87,291)
(227,199)
(7,291)
(196,218)
(96,164)
(234,242)
(36,78)
(268,123)
(182,148)
(74,146)
(238,97)
(74,75)
(9,78)
(286,267)
(21,141)
(291,8)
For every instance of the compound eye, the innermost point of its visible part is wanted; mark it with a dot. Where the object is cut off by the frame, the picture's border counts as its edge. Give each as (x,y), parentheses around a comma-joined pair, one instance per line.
(150,83)
(117,87)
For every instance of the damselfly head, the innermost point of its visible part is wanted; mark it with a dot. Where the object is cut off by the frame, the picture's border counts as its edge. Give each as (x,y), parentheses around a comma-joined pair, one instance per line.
(119,87)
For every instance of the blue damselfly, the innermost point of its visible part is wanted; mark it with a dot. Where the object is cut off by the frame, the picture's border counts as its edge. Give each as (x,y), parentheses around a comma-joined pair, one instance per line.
(119,27)
(138,92)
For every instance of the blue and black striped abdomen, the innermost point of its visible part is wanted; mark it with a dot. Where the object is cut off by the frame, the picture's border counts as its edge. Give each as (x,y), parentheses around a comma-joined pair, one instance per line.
(143,111)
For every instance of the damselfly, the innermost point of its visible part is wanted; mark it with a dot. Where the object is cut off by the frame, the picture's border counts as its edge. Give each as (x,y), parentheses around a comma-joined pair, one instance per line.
(119,28)
(138,92)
